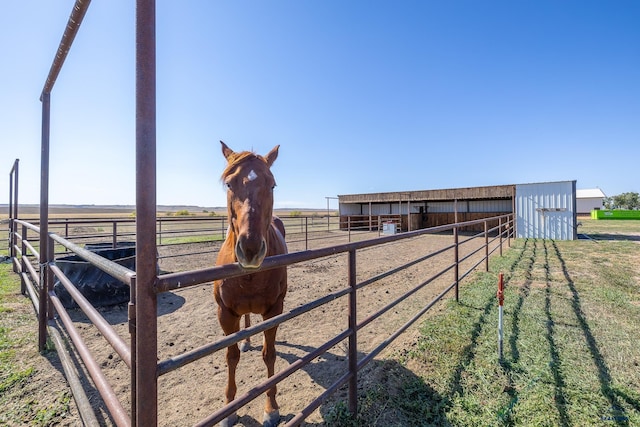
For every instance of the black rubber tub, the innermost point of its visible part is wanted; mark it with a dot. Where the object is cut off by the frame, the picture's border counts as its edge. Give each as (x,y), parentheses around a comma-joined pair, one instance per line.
(100,288)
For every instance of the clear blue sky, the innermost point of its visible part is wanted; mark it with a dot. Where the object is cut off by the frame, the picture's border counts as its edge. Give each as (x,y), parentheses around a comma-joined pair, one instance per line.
(362,96)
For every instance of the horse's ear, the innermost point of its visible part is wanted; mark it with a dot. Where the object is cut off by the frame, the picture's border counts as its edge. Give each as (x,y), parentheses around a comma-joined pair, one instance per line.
(272,156)
(226,151)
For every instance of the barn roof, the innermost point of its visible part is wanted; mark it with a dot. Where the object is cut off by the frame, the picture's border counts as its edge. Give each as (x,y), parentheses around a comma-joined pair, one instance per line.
(468,193)
(590,193)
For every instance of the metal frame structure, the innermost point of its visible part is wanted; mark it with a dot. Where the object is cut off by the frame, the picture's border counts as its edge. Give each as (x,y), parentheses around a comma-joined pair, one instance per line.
(145,284)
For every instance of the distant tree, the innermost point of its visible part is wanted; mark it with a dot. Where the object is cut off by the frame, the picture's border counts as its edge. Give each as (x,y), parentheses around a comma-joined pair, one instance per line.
(295,213)
(629,201)
(183,212)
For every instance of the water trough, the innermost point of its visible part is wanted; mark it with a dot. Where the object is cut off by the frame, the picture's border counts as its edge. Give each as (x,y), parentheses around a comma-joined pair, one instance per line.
(100,288)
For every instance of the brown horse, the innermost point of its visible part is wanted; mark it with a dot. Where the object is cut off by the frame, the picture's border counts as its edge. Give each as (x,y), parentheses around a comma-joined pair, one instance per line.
(253,234)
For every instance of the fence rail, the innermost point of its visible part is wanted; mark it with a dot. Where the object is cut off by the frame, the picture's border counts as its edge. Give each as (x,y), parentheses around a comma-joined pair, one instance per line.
(305,232)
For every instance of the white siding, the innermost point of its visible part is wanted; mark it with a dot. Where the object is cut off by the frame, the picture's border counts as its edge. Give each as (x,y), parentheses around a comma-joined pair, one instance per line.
(546,210)
(586,205)
(490,206)
(442,207)
(349,209)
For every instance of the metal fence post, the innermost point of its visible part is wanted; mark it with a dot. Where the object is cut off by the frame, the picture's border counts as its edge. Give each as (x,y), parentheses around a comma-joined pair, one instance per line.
(456,269)
(44,220)
(353,338)
(23,261)
(486,246)
(133,343)
(13,211)
(115,234)
(50,277)
(500,296)
(500,232)
(146,250)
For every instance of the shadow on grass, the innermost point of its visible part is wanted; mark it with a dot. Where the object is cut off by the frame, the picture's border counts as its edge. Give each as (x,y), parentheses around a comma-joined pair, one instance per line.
(469,352)
(604,375)
(529,256)
(610,236)
(510,366)
(556,362)
(389,394)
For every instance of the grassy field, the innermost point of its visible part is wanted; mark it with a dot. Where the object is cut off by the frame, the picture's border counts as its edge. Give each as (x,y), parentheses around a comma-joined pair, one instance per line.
(571,354)
(22,402)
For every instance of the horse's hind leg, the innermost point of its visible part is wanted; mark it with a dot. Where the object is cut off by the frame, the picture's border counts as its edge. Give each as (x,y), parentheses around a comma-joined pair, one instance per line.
(246,344)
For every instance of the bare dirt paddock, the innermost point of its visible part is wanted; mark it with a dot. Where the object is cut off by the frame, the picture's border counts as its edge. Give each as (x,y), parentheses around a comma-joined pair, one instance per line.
(187,320)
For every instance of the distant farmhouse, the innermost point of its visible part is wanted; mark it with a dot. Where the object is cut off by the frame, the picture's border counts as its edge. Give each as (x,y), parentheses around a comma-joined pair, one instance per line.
(588,200)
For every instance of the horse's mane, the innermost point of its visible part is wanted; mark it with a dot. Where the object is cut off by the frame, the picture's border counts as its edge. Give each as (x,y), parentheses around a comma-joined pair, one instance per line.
(236,158)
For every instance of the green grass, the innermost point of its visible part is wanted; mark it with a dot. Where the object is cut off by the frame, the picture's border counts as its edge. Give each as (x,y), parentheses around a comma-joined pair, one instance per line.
(21,401)
(191,239)
(571,354)
(598,227)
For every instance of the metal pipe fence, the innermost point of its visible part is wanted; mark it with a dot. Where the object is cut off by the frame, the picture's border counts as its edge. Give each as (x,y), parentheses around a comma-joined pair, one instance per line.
(179,280)
(305,232)
(37,267)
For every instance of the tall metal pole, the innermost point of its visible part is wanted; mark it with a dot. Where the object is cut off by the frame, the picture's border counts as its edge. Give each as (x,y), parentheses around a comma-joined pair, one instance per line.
(44,220)
(146,323)
(353,338)
(46,256)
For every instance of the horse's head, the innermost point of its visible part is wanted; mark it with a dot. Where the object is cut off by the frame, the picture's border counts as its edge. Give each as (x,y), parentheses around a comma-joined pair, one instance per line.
(250,185)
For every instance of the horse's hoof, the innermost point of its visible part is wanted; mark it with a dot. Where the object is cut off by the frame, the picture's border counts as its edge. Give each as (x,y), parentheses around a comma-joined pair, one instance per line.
(230,421)
(245,346)
(272,419)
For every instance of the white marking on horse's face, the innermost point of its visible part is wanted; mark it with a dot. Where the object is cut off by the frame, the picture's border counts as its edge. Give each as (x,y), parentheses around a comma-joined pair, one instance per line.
(252,175)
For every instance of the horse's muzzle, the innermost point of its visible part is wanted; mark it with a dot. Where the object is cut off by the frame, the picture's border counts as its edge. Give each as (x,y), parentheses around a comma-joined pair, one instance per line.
(250,254)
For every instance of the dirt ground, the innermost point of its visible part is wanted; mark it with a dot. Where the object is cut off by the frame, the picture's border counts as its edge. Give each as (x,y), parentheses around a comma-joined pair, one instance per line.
(187,320)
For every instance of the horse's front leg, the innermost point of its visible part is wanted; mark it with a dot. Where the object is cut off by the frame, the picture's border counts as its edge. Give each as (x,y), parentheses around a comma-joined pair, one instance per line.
(271,408)
(230,324)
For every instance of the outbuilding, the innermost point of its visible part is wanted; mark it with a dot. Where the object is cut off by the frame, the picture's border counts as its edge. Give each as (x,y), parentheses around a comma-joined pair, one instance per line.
(543,210)
(589,199)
